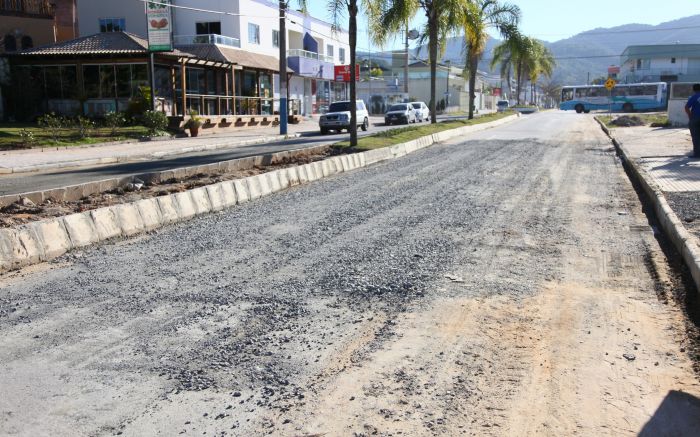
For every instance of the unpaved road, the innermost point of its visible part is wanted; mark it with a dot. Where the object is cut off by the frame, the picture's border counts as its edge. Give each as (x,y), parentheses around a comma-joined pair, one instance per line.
(489,286)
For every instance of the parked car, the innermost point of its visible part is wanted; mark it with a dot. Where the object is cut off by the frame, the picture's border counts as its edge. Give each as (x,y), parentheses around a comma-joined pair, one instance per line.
(338,117)
(400,113)
(422,111)
(502,105)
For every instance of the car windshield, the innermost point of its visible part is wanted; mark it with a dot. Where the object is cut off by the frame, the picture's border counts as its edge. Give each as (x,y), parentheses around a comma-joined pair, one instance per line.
(339,107)
(397,108)
(502,103)
(416,105)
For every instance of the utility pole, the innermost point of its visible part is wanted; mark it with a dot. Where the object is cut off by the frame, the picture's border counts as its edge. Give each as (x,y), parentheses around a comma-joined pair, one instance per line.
(447,88)
(405,66)
(284,117)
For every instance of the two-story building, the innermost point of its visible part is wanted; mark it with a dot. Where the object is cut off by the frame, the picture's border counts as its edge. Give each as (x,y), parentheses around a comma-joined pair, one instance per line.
(251,26)
(660,63)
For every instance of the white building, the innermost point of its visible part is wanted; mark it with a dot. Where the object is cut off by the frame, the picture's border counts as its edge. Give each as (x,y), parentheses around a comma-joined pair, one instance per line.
(314,49)
(660,63)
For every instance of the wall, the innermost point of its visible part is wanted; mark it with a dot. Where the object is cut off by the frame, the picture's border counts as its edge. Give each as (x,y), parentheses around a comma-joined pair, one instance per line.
(41,30)
(90,11)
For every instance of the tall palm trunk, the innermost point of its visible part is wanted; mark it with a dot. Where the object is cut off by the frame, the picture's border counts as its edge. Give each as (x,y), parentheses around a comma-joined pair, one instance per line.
(352,9)
(518,79)
(473,65)
(433,49)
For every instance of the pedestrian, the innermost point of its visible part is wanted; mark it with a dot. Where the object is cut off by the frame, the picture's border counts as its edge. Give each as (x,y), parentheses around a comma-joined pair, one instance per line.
(692,108)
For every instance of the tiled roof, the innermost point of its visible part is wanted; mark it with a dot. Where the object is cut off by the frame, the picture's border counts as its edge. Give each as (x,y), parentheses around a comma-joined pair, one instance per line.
(228,55)
(107,43)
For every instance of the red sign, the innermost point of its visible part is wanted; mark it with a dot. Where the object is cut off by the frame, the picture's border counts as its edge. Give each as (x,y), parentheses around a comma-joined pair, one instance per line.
(496,92)
(342,73)
(613,69)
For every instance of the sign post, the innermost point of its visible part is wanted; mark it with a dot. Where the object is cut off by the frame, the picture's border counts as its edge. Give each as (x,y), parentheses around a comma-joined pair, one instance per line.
(159,21)
(609,85)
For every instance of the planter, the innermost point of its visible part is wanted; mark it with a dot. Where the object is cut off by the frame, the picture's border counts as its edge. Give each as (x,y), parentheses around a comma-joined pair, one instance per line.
(194,131)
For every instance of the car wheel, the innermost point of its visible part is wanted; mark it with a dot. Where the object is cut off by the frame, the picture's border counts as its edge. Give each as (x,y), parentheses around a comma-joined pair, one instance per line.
(579,109)
(365,125)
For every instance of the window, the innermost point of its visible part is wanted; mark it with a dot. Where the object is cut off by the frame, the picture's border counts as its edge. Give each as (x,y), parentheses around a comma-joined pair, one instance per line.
(112,24)
(341,55)
(329,50)
(275,38)
(673,60)
(114,81)
(210,27)
(253,33)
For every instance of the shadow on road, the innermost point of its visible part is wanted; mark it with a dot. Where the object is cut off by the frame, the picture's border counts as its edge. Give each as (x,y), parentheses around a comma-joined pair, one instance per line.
(678,416)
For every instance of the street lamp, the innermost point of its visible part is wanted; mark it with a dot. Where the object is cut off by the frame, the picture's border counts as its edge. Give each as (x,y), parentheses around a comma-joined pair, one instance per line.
(447,89)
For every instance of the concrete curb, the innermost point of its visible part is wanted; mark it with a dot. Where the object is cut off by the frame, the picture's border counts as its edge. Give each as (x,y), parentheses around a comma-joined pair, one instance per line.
(671,225)
(130,158)
(48,239)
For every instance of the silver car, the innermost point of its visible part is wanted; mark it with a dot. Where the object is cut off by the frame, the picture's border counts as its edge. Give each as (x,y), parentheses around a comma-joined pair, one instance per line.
(338,117)
(422,111)
(400,113)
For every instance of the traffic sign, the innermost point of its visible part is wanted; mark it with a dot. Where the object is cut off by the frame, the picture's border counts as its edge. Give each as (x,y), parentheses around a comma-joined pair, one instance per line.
(610,84)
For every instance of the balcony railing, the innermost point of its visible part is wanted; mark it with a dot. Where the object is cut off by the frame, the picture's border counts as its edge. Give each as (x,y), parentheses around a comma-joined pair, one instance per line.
(26,7)
(309,55)
(211,38)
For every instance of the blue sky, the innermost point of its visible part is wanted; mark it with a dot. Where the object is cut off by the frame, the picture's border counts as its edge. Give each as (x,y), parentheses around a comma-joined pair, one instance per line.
(552,20)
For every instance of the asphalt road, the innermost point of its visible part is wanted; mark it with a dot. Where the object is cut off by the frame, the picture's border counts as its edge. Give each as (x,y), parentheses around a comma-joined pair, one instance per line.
(474,287)
(27,182)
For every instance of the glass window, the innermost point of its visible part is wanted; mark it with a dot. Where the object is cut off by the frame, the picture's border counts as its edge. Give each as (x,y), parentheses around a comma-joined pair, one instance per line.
(253,33)
(275,38)
(10,43)
(69,82)
(107,81)
(52,82)
(567,94)
(329,50)
(211,82)
(209,27)
(250,84)
(341,55)
(91,78)
(112,24)
(123,81)
(27,42)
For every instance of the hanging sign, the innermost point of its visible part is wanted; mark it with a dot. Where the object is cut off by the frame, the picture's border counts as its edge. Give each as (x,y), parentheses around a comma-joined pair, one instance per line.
(160,28)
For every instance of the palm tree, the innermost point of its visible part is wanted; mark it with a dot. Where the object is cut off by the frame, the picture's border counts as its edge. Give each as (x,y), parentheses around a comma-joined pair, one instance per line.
(477,17)
(514,53)
(541,64)
(392,16)
(337,9)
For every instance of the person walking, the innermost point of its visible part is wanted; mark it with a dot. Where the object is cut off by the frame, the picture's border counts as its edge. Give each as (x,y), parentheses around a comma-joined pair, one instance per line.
(692,108)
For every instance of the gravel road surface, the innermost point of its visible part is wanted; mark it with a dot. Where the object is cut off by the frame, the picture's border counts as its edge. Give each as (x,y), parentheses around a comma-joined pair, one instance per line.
(486,286)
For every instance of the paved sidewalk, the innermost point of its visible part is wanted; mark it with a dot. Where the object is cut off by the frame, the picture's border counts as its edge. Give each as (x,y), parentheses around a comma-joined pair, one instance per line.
(17,161)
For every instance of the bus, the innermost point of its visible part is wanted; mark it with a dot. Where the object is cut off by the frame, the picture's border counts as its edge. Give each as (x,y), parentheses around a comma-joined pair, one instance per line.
(625,97)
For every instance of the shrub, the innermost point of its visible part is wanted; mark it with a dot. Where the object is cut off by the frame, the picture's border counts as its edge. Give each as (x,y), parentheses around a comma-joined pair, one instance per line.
(155,122)
(27,138)
(52,123)
(85,126)
(114,120)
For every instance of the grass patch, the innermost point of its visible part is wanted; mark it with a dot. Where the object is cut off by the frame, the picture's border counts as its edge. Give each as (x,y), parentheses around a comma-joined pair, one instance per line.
(653,120)
(10,137)
(401,135)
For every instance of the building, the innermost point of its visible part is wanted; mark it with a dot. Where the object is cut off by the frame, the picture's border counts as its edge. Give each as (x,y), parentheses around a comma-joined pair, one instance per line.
(314,48)
(25,24)
(660,63)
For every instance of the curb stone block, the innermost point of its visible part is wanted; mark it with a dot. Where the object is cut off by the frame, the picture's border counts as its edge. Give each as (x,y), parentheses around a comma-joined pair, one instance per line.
(168,209)
(311,172)
(81,229)
(200,199)
(242,192)
(228,194)
(318,169)
(293,176)
(254,187)
(264,184)
(53,237)
(129,219)
(345,162)
(14,254)
(150,214)
(283,176)
(186,208)
(303,175)
(273,180)
(106,223)
(31,245)
(216,197)
(363,159)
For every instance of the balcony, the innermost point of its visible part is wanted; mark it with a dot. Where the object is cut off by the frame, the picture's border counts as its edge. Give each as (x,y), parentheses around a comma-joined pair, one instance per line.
(310,64)
(27,8)
(212,38)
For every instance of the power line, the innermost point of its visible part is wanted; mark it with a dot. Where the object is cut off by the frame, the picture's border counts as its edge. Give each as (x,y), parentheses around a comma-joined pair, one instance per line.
(608,32)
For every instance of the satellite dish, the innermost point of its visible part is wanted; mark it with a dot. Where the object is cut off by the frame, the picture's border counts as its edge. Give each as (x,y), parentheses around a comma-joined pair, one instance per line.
(413,34)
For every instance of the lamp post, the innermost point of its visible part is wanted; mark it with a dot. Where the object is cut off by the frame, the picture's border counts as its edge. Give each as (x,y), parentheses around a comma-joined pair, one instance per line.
(283,68)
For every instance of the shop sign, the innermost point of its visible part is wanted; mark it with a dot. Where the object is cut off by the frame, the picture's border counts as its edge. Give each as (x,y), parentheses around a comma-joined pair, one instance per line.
(159,19)
(342,73)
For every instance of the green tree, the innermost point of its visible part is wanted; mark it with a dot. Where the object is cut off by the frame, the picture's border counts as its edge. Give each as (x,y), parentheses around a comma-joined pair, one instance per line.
(513,54)
(478,16)
(541,63)
(443,19)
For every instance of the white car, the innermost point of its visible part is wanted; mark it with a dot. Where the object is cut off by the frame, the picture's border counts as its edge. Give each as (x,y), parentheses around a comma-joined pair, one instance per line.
(400,113)
(338,117)
(502,105)
(422,111)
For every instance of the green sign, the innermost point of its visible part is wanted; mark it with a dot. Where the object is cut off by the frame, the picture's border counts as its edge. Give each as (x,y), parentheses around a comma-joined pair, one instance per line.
(160,27)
